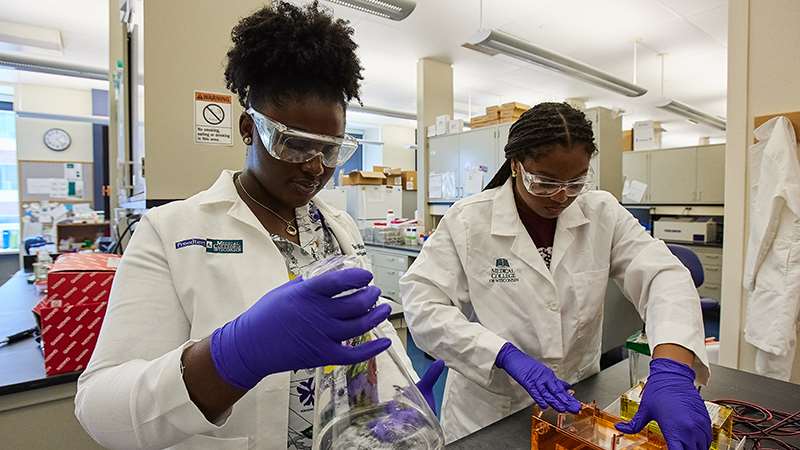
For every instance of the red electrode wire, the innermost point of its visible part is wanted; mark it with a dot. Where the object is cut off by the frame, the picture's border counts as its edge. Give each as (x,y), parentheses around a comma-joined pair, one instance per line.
(762,425)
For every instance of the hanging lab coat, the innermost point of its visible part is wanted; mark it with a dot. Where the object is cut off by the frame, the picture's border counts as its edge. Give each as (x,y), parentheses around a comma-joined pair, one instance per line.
(772,267)
(479,282)
(170,292)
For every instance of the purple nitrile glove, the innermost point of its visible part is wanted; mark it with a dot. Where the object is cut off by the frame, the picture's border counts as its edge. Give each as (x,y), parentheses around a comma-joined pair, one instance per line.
(670,398)
(299,325)
(425,385)
(400,421)
(544,387)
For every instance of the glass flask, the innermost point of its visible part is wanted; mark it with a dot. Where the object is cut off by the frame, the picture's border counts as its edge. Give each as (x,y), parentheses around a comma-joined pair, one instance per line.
(374,404)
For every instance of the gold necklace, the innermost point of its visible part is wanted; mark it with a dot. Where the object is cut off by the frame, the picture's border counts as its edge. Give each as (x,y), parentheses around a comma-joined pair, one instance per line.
(290,229)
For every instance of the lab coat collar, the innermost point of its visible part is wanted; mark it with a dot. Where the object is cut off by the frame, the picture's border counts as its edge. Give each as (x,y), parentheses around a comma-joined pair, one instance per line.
(224,191)
(506,222)
(505,218)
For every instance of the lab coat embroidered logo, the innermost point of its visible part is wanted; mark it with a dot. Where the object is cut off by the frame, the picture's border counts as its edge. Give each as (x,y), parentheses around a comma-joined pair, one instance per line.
(213,245)
(224,246)
(502,272)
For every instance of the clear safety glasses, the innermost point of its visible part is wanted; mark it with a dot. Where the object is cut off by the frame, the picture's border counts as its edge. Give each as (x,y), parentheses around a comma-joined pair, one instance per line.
(295,146)
(547,187)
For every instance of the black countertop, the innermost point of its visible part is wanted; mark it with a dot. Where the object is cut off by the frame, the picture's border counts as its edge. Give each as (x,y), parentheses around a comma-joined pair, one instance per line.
(514,431)
(22,363)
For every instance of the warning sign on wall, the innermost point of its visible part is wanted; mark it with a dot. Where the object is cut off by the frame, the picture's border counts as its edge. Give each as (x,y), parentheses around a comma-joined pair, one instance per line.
(212,118)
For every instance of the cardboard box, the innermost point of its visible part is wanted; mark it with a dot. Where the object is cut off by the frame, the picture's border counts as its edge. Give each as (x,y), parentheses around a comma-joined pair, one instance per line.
(493,111)
(483,121)
(362,177)
(511,106)
(441,124)
(455,126)
(82,277)
(394,180)
(646,135)
(409,180)
(386,170)
(627,140)
(71,315)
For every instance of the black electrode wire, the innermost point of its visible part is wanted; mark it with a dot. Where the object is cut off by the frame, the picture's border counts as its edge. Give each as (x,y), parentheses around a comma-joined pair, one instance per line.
(762,425)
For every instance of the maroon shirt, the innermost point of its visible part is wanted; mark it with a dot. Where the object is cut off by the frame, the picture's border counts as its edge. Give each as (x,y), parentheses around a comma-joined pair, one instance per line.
(541,230)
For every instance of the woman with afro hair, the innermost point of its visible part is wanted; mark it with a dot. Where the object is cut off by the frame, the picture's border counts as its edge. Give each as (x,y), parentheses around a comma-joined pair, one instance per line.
(212,335)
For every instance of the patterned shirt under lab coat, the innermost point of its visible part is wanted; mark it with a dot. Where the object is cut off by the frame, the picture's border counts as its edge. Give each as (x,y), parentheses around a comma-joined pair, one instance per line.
(316,243)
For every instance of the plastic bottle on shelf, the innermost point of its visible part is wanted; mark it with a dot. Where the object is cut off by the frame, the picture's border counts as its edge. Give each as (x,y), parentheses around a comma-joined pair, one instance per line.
(390,216)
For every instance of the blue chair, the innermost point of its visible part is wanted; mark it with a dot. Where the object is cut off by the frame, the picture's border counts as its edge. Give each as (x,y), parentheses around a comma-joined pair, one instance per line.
(710,306)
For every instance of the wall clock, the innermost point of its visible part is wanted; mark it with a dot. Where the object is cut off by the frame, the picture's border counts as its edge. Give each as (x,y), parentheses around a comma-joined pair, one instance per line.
(57,139)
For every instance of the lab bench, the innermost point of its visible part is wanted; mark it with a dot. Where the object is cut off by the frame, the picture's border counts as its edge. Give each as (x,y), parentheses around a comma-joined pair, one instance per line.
(514,431)
(36,411)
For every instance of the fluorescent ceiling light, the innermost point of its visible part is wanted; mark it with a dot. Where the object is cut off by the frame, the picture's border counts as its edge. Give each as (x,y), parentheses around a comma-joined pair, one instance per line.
(388,9)
(494,42)
(693,114)
(19,37)
(51,67)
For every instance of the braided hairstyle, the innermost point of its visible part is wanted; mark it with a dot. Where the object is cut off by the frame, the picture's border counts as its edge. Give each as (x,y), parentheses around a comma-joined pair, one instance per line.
(539,131)
(283,51)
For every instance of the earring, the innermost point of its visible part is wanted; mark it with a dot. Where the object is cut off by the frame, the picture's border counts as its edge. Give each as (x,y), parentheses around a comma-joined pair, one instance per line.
(247,140)
(513,172)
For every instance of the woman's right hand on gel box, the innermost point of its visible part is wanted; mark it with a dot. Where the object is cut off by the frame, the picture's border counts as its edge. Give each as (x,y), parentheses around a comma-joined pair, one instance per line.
(300,325)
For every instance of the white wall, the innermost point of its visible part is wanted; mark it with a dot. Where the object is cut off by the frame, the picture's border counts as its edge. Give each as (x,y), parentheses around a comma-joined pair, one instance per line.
(53,100)
(30,142)
(395,147)
(31,98)
(394,152)
(762,70)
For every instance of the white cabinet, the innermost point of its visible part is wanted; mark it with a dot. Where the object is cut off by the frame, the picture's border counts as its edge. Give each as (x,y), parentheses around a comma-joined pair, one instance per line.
(711,260)
(636,167)
(680,176)
(502,140)
(387,268)
(711,174)
(463,153)
(477,154)
(673,176)
(444,156)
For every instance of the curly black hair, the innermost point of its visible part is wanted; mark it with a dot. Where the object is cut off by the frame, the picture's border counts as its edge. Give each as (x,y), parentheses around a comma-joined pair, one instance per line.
(284,51)
(539,130)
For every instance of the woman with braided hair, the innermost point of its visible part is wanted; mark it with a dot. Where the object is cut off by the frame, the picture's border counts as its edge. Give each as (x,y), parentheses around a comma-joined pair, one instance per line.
(509,290)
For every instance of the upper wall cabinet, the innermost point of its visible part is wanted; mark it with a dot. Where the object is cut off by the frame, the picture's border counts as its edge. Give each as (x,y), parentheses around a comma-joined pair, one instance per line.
(679,176)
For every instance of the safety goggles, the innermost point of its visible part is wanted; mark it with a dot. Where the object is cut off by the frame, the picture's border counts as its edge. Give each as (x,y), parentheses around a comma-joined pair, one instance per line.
(295,146)
(547,187)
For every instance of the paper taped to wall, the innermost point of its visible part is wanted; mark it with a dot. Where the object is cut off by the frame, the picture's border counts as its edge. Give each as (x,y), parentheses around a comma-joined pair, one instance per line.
(633,191)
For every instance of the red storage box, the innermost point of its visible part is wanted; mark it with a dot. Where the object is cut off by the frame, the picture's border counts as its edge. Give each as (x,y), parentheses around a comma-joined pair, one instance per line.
(69,333)
(71,315)
(87,276)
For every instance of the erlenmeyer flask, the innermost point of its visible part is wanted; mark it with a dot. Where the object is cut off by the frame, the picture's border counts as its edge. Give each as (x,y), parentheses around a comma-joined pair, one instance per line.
(370,405)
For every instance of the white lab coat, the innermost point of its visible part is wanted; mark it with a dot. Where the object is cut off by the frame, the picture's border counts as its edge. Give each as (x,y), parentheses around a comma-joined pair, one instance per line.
(480,282)
(772,267)
(132,394)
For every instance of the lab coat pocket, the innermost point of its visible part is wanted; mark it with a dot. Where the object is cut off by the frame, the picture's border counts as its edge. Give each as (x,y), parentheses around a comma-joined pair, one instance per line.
(590,291)
(203,442)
